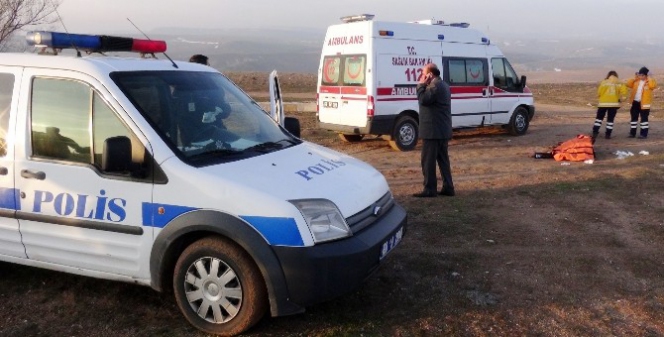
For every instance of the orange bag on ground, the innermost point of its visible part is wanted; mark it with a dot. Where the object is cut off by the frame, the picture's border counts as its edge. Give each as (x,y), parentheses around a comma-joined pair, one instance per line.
(576,149)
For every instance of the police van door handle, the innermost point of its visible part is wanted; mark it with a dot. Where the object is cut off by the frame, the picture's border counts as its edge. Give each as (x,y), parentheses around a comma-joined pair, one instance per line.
(485,92)
(33,175)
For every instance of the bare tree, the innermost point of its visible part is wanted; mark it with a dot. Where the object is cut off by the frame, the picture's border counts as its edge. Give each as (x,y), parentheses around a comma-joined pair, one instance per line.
(18,14)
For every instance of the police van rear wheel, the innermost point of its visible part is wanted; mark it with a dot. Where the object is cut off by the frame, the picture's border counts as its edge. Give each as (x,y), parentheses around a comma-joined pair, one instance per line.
(350,138)
(218,287)
(404,137)
(519,122)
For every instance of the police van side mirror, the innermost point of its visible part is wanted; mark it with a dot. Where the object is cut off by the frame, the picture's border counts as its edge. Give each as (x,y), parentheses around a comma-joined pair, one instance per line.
(116,157)
(522,84)
(292,125)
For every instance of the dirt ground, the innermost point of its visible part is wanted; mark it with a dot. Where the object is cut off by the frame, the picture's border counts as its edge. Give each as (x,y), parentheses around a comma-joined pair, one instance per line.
(527,247)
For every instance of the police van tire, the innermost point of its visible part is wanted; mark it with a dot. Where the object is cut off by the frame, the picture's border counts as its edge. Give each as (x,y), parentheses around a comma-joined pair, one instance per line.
(519,122)
(404,136)
(227,303)
(350,138)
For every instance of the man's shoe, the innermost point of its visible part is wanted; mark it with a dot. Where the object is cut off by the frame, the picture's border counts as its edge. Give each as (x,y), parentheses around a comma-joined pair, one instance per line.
(643,137)
(607,136)
(448,193)
(425,194)
(631,136)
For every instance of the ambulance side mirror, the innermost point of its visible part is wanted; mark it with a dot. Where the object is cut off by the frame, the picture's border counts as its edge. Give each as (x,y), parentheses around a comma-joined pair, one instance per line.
(292,125)
(116,157)
(522,84)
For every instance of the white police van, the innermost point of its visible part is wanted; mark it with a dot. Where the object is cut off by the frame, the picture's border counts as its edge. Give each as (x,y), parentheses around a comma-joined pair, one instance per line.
(369,71)
(166,174)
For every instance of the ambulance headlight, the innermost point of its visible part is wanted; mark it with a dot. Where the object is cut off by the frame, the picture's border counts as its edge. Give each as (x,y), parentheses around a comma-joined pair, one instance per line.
(323,218)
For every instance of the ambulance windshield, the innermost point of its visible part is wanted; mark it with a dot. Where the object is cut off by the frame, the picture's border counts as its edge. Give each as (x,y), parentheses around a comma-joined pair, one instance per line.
(203,116)
(344,70)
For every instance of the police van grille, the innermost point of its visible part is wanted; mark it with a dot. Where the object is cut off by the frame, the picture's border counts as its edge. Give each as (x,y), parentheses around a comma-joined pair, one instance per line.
(371,214)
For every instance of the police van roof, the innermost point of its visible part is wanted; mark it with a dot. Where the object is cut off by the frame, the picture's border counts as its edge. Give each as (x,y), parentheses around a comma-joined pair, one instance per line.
(95,63)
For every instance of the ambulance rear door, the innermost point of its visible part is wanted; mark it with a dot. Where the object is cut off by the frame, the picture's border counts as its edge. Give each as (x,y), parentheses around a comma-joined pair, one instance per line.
(342,87)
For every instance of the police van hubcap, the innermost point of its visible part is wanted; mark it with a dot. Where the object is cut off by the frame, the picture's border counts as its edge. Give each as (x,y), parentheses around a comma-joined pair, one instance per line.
(213,290)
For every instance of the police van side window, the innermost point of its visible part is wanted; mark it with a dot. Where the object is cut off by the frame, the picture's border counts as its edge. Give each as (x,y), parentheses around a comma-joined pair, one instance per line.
(6,91)
(471,72)
(105,126)
(60,120)
(71,122)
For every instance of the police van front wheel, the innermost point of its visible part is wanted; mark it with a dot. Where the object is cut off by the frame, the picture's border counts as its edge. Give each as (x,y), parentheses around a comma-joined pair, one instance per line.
(404,136)
(218,287)
(519,122)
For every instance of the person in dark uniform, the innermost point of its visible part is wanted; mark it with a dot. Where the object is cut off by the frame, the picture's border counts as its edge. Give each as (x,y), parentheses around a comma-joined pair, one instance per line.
(435,101)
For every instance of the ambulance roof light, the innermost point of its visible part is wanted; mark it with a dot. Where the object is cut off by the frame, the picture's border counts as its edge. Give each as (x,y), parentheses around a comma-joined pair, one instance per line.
(460,24)
(357,18)
(93,43)
(431,21)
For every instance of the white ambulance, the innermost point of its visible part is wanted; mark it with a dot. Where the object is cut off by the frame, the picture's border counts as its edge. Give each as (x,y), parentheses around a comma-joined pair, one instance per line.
(166,174)
(369,71)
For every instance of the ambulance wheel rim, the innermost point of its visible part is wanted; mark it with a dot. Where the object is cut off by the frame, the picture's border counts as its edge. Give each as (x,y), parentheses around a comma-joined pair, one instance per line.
(406,134)
(213,290)
(520,122)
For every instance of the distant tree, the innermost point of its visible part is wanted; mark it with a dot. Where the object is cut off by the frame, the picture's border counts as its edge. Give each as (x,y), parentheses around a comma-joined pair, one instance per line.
(18,14)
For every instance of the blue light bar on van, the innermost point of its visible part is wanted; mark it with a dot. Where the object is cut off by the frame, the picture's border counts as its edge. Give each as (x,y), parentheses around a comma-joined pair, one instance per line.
(486,40)
(93,43)
(385,33)
(441,37)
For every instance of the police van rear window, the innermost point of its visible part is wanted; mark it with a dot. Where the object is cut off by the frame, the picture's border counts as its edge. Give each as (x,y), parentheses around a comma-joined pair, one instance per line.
(344,70)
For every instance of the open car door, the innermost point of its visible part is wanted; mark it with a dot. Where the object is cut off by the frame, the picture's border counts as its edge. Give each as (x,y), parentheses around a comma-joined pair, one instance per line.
(276,103)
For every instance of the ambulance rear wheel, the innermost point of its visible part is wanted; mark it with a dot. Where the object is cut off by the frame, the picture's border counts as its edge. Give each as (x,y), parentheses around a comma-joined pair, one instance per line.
(519,122)
(219,288)
(404,137)
(350,138)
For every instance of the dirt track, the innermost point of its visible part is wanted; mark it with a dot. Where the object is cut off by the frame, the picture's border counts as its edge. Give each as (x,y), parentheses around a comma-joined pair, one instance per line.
(527,247)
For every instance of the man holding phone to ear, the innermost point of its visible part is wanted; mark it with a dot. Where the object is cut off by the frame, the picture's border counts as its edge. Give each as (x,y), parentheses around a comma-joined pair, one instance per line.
(435,101)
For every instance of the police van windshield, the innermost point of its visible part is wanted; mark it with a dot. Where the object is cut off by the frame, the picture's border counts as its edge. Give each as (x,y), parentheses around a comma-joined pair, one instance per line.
(203,116)
(344,70)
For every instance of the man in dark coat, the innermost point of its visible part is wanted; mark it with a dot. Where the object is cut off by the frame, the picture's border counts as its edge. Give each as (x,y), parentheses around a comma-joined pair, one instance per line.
(435,99)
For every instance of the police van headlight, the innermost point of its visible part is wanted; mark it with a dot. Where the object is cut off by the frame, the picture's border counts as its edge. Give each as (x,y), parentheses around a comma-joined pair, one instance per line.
(323,218)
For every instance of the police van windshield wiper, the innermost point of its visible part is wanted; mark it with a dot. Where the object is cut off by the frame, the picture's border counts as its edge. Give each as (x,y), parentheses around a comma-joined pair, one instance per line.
(215,152)
(270,146)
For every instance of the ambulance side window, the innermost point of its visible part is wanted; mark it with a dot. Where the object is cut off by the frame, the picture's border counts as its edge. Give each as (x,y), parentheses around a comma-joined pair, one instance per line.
(71,123)
(504,76)
(468,72)
(6,91)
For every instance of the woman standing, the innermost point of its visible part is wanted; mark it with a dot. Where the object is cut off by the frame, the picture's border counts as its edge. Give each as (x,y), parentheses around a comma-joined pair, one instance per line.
(610,91)
(642,86)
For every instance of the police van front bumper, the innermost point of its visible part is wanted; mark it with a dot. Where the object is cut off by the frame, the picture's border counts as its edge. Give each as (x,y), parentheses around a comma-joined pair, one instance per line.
(325,271)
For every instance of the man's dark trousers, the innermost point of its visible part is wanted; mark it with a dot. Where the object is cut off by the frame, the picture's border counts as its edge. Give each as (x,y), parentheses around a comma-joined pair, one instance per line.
(435,151)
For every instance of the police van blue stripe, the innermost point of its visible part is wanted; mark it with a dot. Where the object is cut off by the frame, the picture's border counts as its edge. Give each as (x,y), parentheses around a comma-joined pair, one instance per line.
(8,198)
(152,218)
(277,231)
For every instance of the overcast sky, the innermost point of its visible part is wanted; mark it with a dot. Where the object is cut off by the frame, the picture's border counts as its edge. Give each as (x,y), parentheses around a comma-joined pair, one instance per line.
(622,19)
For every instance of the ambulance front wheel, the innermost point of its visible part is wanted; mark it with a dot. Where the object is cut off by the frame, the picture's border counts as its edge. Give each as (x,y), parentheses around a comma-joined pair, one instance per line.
(350,138)
(404,137)
(219,288)
(519,122)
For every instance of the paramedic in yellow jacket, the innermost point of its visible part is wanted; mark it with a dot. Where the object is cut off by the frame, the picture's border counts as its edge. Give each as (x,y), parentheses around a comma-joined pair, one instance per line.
(610,92)
(641,98)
